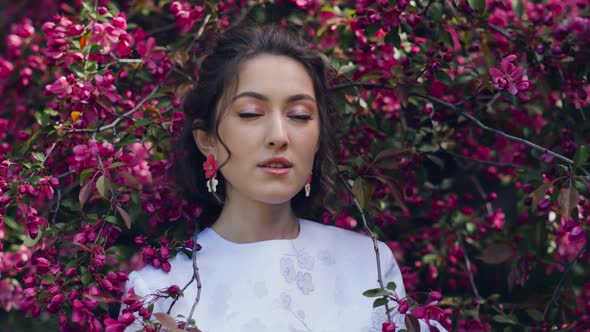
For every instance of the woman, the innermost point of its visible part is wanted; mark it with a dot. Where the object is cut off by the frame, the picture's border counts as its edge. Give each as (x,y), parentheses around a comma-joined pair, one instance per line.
(258,121)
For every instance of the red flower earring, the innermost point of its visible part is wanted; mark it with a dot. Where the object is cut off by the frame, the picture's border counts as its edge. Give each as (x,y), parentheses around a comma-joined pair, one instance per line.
(210,167)
(308,186)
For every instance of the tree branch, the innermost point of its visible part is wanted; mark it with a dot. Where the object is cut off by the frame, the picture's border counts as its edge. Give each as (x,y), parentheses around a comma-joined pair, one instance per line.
(498,132)
(373,238)
(154,90)
(465,114)
(197,277)
(560,283)
(487,162)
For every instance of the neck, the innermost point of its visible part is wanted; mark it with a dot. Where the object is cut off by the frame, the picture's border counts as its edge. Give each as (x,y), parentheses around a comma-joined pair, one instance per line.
(244,220)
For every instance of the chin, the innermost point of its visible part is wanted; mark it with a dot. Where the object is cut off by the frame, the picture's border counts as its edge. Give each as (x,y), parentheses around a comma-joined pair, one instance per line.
(275,198)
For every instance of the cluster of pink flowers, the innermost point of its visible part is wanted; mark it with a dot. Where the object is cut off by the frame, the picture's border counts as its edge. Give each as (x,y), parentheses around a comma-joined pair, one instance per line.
(186,14)
(510,76)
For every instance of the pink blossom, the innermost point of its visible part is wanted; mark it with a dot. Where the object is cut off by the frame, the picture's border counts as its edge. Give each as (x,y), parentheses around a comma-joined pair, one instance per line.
(510,76)
(388,327)
(6,68)
(437,88)
(497,219)
(186,15)
(60,87)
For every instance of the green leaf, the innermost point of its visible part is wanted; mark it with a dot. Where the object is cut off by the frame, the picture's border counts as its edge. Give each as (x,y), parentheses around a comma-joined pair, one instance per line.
(376,292)
(477,5)
(391,285)
(497,253)
(436,11)
(519,8)
(85,192)
(166,321)
(85,174)
(535,314)
(429,258)
(439,162)
(581,156)
(444,77)
(567,201)
(505,319)
(412,323)
(142,122)
(111,219)
(125,216)
(28,242)
(11,223)
(86,277)
(359,192)
(38,156)
(117,164)
(379,302)
(102,185)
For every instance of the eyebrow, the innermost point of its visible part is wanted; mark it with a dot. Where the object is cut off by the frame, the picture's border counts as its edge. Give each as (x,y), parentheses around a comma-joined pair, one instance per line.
(291,99)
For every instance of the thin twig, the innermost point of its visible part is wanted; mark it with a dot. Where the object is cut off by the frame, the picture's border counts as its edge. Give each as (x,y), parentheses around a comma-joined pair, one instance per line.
(487,162)
(58,204)
(183,289)
(197,277)
(470,273)
(560,283)
(502,32)
(63,175)
(495,131)
(468,116)
(373,238)
(49,153)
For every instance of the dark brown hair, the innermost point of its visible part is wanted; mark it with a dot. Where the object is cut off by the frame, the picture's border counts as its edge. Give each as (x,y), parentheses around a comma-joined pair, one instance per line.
(217,75)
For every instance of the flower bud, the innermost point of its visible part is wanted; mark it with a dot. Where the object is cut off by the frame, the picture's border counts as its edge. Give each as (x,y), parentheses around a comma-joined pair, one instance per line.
(403,307)
(173,290)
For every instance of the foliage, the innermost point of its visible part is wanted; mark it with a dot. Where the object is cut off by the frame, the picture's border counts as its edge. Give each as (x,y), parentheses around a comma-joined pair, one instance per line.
(464,139)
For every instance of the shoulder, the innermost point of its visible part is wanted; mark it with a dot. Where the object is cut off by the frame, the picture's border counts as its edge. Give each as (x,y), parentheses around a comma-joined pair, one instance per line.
(344,240)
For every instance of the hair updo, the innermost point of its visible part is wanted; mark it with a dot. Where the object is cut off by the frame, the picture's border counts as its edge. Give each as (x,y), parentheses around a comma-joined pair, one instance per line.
(206,103)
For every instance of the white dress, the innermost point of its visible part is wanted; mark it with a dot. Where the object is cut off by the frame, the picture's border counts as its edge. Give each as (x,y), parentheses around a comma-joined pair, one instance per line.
(311,283)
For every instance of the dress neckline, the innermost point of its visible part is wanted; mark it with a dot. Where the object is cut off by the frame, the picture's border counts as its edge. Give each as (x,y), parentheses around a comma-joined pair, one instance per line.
(226,242)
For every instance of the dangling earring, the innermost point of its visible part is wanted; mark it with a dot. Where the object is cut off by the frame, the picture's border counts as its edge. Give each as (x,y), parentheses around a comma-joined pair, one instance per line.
(308,186)
(210,167)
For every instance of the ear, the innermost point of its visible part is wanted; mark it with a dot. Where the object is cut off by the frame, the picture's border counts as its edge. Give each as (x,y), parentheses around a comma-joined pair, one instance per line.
(205,141)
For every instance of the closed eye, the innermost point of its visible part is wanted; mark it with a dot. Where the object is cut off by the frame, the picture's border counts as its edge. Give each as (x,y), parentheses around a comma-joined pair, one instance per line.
(249,115)
(300,117)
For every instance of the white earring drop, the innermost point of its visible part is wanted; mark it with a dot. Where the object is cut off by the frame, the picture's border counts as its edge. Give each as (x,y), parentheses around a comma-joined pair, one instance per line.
(308,186)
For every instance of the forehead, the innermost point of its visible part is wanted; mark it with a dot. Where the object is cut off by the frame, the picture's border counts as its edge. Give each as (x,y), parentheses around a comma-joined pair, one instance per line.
(274,76)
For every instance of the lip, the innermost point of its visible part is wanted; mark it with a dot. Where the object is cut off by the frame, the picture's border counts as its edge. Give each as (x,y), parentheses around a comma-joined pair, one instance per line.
(278,160)
(276,171)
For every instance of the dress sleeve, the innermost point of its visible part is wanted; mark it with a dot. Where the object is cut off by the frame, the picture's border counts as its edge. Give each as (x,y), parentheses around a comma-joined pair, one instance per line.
(141,289)
(392,272)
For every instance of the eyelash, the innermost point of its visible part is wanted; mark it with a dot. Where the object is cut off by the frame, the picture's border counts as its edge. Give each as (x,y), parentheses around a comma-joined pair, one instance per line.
(254,115)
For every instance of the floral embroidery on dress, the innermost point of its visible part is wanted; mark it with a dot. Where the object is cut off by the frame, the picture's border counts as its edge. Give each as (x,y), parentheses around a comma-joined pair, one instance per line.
(305,261)
(288,269)
(285,302)
(326,257)
(304,282)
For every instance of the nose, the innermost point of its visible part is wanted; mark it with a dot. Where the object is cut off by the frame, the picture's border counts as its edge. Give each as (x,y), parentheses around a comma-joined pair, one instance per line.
(277,136)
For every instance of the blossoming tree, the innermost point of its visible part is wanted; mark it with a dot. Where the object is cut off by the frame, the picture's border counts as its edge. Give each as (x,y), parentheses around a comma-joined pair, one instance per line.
(464,147)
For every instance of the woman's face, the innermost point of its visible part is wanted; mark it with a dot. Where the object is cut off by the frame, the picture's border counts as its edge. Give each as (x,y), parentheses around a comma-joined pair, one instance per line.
(273,114)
